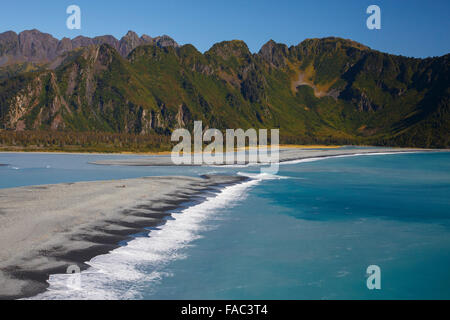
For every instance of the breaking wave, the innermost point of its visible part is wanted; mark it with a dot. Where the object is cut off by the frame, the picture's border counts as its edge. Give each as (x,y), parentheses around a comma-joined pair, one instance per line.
(120,273)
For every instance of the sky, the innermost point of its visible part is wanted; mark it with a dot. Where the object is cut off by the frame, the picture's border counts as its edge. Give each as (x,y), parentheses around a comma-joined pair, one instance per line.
(414,28)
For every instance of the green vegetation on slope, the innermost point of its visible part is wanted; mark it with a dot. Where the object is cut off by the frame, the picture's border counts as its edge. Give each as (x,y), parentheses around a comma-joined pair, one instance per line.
(328,90)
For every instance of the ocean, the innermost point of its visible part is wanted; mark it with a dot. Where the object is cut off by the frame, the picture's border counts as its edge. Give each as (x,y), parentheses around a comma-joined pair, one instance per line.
(309,232)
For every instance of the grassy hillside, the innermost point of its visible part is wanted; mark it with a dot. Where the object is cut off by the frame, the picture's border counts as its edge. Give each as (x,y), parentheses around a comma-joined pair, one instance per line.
(328,90)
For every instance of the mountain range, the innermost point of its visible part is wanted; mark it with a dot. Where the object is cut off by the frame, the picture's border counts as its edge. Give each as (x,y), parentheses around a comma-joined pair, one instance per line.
(328,90)
(34,46)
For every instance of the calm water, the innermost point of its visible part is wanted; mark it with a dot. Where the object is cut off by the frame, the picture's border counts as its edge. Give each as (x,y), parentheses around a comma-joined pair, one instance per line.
(308,233)
(36,169)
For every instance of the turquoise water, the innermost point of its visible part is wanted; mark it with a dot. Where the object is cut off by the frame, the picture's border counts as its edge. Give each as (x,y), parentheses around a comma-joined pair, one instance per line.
(308,233)
(312,236)
(24,169)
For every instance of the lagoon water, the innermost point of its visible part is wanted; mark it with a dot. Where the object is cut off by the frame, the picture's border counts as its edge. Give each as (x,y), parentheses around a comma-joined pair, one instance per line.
(308,233)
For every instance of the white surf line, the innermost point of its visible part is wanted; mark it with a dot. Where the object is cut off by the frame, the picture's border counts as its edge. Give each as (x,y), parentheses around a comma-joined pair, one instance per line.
(345,156)
(120,273)
(310,159)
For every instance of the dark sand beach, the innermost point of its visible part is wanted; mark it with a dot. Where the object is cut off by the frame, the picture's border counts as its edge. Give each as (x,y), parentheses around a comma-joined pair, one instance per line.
(46,229)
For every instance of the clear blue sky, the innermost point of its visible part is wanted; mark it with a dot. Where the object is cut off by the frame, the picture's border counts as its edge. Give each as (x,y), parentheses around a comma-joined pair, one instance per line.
(409,27)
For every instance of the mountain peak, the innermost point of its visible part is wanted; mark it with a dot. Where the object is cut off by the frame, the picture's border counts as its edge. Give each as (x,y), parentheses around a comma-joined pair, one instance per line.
(165,41)
(227,49)
(274,53)
(39,47)
(328,90)
(332,43)
(131,33)
(146,38)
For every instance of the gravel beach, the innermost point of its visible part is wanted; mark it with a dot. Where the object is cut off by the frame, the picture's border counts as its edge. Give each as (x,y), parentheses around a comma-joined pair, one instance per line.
(45,229)
(285,154)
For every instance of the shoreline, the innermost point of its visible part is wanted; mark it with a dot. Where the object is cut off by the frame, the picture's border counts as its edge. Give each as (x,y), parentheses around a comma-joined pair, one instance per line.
(161,153)
(165,153)
(285,155)
(79,221)
(82,220)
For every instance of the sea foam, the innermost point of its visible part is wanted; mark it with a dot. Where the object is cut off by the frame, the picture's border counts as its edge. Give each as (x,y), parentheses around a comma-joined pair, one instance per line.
(120,273)
(341,156)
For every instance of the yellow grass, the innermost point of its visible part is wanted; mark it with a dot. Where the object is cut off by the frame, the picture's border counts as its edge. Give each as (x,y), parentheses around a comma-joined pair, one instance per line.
(306,77)
(162,153)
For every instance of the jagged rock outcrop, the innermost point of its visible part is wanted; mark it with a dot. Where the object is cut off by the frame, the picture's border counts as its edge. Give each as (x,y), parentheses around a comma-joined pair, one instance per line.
(38,47)
(327,90)
(274,53)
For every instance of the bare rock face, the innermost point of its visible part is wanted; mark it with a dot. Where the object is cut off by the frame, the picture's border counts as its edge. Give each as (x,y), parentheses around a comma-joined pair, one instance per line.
(38,47)
(364,103)
(183,116)
(131,40)
(91,86)
(108,39)
(274,53)
(81,41)
(30,46)
(64,45)
(128,43)
(20,104)
(165,41)
(9,43)
(28,101)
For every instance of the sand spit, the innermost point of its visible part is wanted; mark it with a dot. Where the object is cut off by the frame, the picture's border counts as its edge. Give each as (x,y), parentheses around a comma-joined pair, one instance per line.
(286,154)
(45,229)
